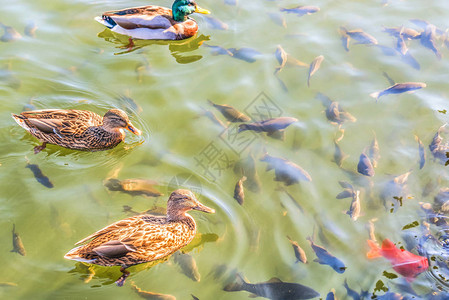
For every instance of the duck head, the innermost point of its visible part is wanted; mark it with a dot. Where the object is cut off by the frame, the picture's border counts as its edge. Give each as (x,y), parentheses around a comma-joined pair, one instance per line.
(182,8)
(181,201)
(115,119)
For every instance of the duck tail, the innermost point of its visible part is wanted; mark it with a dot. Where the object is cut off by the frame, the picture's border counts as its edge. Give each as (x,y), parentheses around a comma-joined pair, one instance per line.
(375,95)
(237,285)
(21,121)
(74,255)
(106,21)
(375,250)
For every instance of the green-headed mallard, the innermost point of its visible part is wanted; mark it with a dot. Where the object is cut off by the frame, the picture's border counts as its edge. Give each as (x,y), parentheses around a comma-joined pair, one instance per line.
(154,22)
(76,129)
(142,238)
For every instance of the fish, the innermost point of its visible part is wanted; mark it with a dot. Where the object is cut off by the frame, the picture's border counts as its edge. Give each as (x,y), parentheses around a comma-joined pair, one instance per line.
(301,10)
(399,88)
(441,200)
(314,66)
(230,113)
(30,29)
(247,166)
(350,292)
(339,155)
(299,252)
(151,295)
(8,284)
(348,191)
(17,245)
(281,57)
(215,23)
(354,209)
(439,150)
(130,104)
(406,32)
(422,152)
(344,37)
(365,166)
(401,47)
(360,36)
(428,39)
(10,34)
(218,50)
(270,126)
(213,118)
(134,187)
(194,297)
(331,295)
(274,289)
(285,170)
(395,190)
(277,18)
(246,54)
(373,152)
(324,257)
(40,177)
(405,263)
(188,265)
(335,114)
(239,193)
(371,229)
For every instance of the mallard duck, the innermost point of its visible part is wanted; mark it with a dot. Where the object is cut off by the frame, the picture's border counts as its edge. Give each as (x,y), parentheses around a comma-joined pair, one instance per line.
(154,22)
(142,238)
(76,129)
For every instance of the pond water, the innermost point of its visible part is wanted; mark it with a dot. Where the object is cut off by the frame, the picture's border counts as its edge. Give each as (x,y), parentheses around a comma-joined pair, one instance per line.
(74,62)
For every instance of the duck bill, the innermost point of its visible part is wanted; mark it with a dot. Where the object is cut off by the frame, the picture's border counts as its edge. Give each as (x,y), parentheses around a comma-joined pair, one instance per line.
(204,208)
(133,129)
(201,10)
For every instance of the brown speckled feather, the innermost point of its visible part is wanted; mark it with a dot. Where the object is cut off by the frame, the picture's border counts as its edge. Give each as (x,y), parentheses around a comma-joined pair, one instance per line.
(153,237)
(73,129)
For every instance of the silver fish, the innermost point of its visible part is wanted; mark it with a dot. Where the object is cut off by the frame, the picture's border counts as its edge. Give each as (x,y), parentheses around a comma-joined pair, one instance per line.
(324,257)
(399,88)
(285,170)
(339,155)
(441,200)
(314,66)
(230,113)
(218,50)
(360,36)
(331,295)
(299,252)
(188,265)
(428,39)
(344,39)
(30,29)
(274,289)
(406,32)
(40,177)
(215,23)
(151,295)
(278,19)
(301,10)
(354,209)
(17,242)
(422,152)
(439,150)
(213,118)
(10,34)
(401,47)
(373,152)
(395,191)
(335,114)
(270,126)
(365,166)
(247,54)
(239,193)
(247,166)
(134,187)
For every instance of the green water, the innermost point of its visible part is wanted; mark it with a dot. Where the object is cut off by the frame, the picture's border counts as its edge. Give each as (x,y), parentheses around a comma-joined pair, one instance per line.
(73,62)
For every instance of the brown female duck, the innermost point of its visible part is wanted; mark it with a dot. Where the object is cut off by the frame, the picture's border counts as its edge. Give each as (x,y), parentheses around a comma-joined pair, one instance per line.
(76,129)
(142,238)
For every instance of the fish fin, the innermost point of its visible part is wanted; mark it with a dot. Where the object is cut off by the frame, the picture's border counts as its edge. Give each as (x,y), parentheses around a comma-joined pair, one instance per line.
(210,102)
(237,285)
(274,279)
(375,250)
(375,95)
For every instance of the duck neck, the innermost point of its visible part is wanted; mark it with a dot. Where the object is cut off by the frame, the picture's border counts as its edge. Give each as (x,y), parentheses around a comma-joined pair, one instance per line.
(176,215)
(180,10)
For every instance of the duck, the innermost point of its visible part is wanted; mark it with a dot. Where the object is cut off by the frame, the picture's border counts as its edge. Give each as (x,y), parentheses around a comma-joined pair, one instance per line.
(76,129)
(142,238)
(154,22)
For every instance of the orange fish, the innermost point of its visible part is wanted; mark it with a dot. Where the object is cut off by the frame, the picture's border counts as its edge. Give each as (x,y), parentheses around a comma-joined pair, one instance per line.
(405,263)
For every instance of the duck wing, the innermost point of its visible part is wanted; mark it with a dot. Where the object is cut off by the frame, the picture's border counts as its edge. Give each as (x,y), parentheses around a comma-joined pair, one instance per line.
(61,122)
(152,17)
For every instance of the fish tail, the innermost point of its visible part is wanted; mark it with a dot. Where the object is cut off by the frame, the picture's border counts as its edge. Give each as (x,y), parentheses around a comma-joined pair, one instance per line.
(375,250)
(237,285)
(375,95)
(210,102)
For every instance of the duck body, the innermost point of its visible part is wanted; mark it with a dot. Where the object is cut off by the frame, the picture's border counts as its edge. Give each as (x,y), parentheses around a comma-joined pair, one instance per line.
(154,22)
(142,238)
(76,129)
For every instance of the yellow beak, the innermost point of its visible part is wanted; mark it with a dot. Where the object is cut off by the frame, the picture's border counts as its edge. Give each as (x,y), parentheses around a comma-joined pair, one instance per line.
(201,10)
(133,129)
